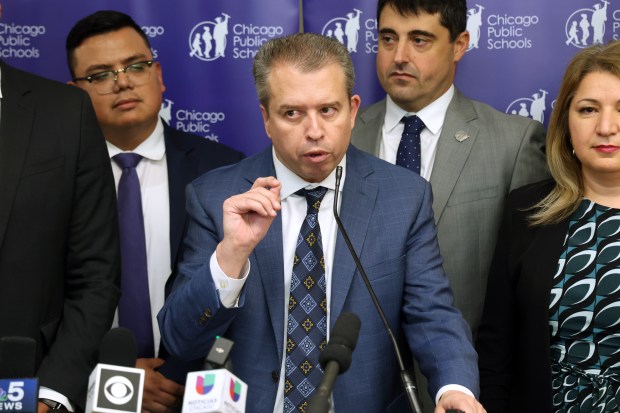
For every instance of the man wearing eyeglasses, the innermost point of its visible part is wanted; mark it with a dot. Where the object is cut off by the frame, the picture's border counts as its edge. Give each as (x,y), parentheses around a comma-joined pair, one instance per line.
(110,57)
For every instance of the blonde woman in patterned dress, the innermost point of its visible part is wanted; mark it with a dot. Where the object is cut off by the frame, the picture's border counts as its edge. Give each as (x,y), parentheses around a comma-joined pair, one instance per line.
(550,335)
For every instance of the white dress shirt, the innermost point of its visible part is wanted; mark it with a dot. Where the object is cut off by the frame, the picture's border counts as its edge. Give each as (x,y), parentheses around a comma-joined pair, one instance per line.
(432,115)
(153,175)
(293,213)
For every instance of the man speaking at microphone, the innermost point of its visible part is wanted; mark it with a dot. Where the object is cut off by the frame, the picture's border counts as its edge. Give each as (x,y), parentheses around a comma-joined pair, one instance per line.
(264,265)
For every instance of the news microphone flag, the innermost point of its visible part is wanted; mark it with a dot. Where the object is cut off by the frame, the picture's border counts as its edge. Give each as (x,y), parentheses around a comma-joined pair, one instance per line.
(115,389)
(214,391)
(18,395)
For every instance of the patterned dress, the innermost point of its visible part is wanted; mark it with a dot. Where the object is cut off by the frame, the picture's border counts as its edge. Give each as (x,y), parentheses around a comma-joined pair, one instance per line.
(585,314)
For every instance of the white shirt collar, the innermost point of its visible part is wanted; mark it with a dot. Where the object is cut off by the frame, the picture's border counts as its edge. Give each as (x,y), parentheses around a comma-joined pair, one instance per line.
(432,115)
(152,148)
(291,182)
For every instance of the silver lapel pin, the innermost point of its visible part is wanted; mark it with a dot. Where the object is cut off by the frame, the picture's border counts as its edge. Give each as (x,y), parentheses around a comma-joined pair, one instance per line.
(461,136)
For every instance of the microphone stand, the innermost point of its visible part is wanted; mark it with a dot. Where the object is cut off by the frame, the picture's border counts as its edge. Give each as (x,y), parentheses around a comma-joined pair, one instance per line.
(405,376)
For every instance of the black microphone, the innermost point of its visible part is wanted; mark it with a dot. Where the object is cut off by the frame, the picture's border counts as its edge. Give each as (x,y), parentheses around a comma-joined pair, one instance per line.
(116,384)
(118,348)
(17,357)
(335,359)
(17,375)
(405,376)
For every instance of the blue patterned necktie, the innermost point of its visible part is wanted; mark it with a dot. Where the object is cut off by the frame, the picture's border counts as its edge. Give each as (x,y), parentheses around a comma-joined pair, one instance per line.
(134,308)
(307,310)
(409,151)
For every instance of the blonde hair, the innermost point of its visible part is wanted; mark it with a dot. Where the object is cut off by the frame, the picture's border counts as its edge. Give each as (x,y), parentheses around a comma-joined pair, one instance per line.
(565,168)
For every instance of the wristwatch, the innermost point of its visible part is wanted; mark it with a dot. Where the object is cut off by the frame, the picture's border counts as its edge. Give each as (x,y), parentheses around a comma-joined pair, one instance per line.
(53,405)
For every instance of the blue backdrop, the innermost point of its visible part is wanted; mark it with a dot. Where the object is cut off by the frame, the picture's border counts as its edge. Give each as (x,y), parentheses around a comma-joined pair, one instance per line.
(517,54)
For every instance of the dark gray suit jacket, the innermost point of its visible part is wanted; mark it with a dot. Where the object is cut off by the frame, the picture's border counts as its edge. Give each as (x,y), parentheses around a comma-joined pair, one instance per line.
(470,181)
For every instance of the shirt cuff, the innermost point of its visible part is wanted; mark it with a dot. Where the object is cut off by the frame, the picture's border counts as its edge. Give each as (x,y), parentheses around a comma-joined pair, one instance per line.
(229,288)
(47,393)
(456,387)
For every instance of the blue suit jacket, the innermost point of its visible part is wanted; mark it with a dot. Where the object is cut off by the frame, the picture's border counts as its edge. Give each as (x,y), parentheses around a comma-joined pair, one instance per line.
(387,211)
(188,157)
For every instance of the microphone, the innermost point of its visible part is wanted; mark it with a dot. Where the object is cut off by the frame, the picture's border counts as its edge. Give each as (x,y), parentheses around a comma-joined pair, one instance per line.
(405,376)
(215,389)
(335,359)
(19,389)
(115,385)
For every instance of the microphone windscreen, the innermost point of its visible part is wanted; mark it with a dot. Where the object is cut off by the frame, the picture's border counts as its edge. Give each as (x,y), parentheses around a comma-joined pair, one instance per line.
(118,348)
(342,342)
(17,357)
(346,330)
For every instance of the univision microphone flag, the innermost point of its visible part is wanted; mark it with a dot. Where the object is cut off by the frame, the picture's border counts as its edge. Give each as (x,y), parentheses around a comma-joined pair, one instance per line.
(214,391)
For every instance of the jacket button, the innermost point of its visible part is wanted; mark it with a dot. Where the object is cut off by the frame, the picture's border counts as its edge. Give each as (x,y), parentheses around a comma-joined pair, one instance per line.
(205,317)
(275,376)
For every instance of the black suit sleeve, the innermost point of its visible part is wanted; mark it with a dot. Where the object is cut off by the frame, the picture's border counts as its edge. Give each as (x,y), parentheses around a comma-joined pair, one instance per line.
(91,264)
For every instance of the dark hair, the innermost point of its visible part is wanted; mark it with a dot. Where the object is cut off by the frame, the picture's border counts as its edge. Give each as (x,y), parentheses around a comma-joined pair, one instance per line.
(100,22)
(452,13)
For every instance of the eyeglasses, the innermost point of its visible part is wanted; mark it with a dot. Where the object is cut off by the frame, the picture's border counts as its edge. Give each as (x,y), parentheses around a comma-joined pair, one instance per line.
(138,73)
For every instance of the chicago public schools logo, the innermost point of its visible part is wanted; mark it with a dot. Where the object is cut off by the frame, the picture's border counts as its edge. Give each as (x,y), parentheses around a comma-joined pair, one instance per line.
(345,29)
(474,22)
(207,40)
(586,27)
(165,112)
(533,107)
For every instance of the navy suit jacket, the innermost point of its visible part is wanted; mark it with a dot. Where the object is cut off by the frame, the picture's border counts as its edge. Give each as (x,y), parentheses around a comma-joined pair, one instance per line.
(388,213)
(188,157)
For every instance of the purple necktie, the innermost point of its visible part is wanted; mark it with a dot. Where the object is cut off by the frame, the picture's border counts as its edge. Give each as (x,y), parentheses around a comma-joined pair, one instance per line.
(134,308)
(409,151)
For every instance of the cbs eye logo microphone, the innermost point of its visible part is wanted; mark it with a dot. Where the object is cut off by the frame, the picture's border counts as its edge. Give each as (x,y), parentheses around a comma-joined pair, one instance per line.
(118,390)
(115,389)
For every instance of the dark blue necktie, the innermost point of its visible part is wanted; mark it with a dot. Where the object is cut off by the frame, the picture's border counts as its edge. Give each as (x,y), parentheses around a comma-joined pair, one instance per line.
(307,310)
(134,308)
(409,149)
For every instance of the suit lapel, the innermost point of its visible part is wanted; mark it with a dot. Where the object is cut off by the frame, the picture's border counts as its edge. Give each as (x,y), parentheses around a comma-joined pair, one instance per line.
(367,136)
(268,255)
(358,202)
(16,119)
(452,154)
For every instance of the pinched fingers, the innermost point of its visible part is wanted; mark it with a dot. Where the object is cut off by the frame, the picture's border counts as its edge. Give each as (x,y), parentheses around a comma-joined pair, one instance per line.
(263,198)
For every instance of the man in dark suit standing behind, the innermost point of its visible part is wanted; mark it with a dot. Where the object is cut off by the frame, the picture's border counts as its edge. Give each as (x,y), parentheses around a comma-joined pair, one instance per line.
(110,57)
(59,251)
